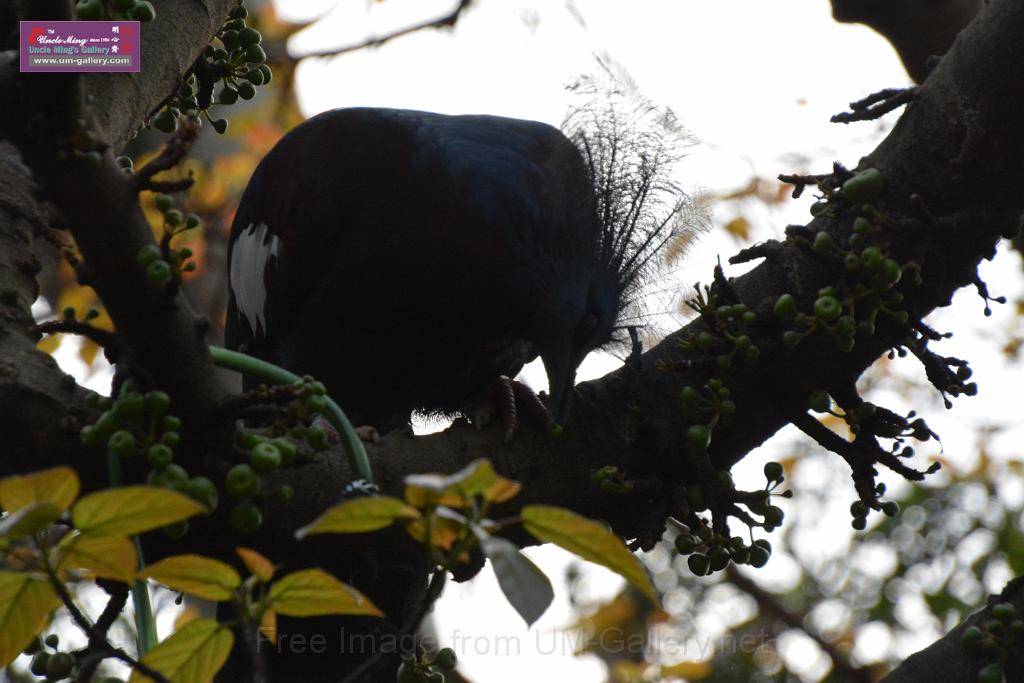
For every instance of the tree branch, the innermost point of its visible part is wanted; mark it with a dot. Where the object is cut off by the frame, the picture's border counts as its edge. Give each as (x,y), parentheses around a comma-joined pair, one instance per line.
(446,21)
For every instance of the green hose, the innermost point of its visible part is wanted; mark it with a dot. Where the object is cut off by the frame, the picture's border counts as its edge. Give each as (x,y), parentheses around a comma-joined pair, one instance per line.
(145,623)
(272,374)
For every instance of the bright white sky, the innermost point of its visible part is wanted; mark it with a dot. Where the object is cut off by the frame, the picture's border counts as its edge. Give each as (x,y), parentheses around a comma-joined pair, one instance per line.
(756,82)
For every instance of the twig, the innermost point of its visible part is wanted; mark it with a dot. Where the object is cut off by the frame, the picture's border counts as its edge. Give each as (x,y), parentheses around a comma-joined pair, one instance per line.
(118,593)
(446,21)
(771,606)
(876,105)
(103,338)
(97,642)
(267,398)
(171,155)
(863,470)
(437,581)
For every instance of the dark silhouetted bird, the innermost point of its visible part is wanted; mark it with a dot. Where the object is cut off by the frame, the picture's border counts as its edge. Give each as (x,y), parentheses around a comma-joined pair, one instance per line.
(408,259)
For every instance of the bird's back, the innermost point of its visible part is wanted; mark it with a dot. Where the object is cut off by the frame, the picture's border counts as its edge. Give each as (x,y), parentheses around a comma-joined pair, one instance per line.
(403,256)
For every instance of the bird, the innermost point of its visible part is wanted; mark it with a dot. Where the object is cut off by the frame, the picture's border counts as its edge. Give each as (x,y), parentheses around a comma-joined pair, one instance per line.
(409,260)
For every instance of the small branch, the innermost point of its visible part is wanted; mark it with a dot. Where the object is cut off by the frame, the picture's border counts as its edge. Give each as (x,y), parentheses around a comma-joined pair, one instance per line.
(446,21)
(772,607)
(251,636)
(876,105)
(863,471)
(118,593)
(437,581)
(103,338)
(821,180)
(171,155)
(97,642)
(91,654)
(258,400)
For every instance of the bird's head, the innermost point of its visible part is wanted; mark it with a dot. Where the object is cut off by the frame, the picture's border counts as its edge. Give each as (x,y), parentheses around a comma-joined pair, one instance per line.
(578,321)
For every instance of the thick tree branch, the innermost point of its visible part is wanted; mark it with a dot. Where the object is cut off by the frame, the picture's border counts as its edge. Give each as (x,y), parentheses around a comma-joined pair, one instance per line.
(920,30)
(162,340)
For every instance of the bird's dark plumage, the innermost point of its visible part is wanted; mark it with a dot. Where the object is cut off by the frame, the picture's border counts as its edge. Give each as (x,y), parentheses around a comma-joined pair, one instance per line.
(407,259)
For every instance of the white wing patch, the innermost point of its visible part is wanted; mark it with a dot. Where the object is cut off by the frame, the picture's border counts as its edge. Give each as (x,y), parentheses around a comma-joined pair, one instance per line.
(249,257)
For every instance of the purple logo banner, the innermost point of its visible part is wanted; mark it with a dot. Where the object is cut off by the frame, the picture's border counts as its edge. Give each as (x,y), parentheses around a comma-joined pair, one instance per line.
(80,46)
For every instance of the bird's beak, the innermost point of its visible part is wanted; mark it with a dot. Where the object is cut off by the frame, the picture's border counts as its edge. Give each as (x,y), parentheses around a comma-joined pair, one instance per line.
(561,373)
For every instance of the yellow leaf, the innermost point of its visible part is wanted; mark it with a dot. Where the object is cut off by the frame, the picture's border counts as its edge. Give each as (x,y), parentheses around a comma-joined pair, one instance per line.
(436,489)
(192,655)
(314,592)
(57,485)
(589,539)
(87,351)
(627,672)
(501,490)
(423,496)
(49,343)
(256,563)
(187,616)
(109,558)
(130,510)
(443,531)
(621,609)
(79,298)
(203,577)
(359,515)
(691,671)
(25,604)
(268,625)
(739,228)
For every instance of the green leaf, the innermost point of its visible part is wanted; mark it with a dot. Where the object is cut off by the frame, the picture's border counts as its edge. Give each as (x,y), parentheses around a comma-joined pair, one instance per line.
(25,605)
(589,539)
(193,654)
(109,558)
(358,515)
(131,510)
(203,577)
(57,485)
(527,588)
(314,592)
(29,519)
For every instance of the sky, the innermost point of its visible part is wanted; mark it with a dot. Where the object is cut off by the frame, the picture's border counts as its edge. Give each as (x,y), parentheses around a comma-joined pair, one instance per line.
(755,83)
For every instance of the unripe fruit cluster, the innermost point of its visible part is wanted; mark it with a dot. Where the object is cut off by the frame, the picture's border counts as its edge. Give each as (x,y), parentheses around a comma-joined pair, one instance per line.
(875,273)
(135,425)
(729,341)
(859,509)
(710,552)
(712,403)
(53,666)
(166,267)
(238,64)
(265,454)
(993,639)
(413,671)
